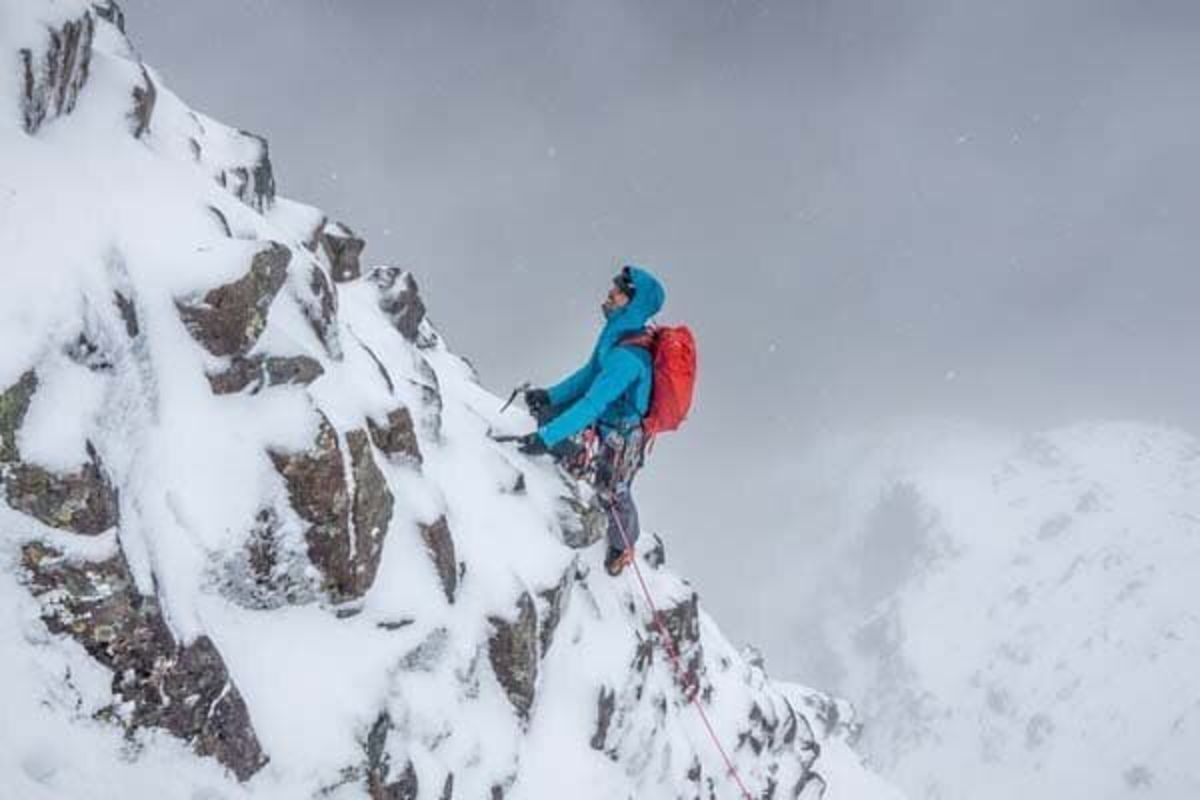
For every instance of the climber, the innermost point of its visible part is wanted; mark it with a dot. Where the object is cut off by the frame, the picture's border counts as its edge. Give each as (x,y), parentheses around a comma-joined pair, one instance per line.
(611,392)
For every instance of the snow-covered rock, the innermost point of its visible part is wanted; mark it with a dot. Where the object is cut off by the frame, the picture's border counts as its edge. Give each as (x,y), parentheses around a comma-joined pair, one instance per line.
(1032,630)
(257,539)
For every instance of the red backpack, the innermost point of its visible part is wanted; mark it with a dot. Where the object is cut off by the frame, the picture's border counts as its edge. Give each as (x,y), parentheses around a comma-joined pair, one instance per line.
(673,352)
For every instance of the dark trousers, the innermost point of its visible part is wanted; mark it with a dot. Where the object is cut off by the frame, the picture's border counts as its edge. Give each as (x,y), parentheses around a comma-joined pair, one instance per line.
(619,459)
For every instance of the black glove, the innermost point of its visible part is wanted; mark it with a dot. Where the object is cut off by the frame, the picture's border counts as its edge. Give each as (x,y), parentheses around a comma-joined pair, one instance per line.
(532,445)
(538,403)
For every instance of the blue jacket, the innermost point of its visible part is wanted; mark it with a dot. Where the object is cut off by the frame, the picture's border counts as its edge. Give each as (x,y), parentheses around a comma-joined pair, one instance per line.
(613,387)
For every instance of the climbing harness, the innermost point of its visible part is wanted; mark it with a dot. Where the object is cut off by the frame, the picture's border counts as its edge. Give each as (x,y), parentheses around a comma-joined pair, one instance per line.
(691,691)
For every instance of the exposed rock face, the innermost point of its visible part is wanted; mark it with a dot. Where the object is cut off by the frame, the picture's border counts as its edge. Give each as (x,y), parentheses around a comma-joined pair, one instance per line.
(83,501)
(397,437)
(319,304)
(54,77)
(253,182)
(144,99)
(378,766)
(184,689)
(344,251)
(513,652)
(440,546)
(265,573)
(109,10)
(372,509)
(555,602)
(14,405)
(400,300)
(229,319)
(605,705)
(260,371)
(682,621)
(316,481)
(128,314)
(582,520)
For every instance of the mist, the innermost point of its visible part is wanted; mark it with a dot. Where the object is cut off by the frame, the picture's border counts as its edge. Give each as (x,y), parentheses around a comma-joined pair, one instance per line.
(869,211)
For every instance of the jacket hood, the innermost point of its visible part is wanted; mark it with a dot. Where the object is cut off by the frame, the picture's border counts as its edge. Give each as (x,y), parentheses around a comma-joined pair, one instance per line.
(648,299)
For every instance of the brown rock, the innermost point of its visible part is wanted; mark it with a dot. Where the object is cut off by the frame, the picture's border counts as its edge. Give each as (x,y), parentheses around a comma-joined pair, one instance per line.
(319,305)
(253,181)
(83,501)
(229,319)
(397,437)
(400,300)
(14,405)
(555,599)
(256,372)
(183,689)
(317,488)
(54,76)
(372,510)
(513,652)
(440,546)
(344,250)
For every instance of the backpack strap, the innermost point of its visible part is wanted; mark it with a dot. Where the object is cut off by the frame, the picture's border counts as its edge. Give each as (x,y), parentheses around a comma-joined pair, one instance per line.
(643,339)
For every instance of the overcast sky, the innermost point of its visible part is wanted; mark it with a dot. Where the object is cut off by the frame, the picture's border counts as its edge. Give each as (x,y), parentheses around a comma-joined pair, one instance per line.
(867,209)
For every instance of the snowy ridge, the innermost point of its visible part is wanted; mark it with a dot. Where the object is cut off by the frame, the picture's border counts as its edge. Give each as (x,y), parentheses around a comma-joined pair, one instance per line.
(257,540)
(1072,671)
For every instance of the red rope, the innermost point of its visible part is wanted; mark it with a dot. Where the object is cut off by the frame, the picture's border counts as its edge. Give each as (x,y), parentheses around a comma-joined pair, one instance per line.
(691,692)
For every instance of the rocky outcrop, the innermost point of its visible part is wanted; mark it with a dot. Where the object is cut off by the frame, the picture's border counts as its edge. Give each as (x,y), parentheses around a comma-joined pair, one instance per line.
(554,603)
(396,437)
(606,702)
(582,521)
(682,622)
(255,373)
(440,546)
(128,313)
(109,11)
(14,405)
(253,181)
(344,251)
(345,534)
(513,652)
(144,99)
(228,320)
(371,511)
(184,689)
(378,767)
(400,300)
(83,501)
(52,78)
(318,301)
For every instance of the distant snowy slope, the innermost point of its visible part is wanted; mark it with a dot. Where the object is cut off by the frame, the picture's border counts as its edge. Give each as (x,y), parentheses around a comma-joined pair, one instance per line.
(1036,632)
(257,541)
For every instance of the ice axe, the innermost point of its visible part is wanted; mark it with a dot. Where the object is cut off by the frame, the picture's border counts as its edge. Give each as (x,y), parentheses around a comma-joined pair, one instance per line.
(520,389)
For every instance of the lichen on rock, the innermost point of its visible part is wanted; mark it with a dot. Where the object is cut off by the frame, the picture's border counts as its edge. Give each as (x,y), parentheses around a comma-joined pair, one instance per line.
(184,689)
(228,320)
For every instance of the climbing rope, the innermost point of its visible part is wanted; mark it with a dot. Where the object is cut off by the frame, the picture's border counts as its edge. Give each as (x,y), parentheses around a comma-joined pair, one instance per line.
(690,691)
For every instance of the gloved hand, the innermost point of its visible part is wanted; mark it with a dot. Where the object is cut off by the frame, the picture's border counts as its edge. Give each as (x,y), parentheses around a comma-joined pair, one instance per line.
(538,403)
(532,445)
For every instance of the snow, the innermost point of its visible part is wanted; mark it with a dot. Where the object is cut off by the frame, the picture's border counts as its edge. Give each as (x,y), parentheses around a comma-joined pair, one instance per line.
(87,211)
(1043,641)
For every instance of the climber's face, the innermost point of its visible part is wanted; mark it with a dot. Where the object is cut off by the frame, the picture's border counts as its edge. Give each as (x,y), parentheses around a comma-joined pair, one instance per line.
(616,300)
